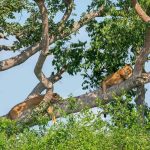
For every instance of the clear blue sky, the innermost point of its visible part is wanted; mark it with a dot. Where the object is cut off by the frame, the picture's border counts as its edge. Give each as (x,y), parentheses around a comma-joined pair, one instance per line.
(17,83)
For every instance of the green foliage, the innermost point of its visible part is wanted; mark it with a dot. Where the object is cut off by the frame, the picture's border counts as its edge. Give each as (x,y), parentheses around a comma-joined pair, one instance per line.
(71,56)
(29,32)
(111,35)
(8,127)
(84,130)
(112,44)
(115,40)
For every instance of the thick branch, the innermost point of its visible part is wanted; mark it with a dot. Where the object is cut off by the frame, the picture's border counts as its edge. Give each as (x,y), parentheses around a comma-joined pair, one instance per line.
(39,88)
(89,99)
(143,56)
(39,74)
(146,48)
(140,103)
(19,59)
(77,25)
(53,78)
(44,45)
(140,11)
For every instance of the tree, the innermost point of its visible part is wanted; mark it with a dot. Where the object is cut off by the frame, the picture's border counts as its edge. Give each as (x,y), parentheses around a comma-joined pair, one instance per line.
(111,36)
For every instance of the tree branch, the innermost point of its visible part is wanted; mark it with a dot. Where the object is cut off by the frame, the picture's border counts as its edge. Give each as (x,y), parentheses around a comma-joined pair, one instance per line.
(2,36)
(27,53)
(140,104)
(141,13)
(66,15)
(142,58)
(44,45)
(19,59)
(84,20)
(89,99)
(39,88)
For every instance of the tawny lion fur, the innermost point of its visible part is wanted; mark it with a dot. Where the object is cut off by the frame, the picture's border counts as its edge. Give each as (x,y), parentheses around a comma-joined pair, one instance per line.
(116,78)
(31,103)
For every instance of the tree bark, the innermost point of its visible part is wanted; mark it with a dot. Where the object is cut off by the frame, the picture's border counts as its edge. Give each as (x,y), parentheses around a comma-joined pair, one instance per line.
(89,99)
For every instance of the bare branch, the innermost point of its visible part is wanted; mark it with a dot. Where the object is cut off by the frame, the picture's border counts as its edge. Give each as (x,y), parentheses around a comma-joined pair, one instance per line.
(17,60)
(44,45)
(89,99)
(39,88)
(140,11)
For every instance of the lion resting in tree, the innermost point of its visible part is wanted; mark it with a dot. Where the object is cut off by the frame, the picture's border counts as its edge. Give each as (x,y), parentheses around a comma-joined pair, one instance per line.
(116,78)
(30,104)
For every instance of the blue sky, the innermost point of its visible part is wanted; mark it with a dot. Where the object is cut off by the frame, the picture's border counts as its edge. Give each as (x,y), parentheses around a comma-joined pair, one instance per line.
(17,83)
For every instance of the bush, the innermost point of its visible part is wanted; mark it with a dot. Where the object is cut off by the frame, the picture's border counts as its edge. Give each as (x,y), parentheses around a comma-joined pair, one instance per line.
(82,131)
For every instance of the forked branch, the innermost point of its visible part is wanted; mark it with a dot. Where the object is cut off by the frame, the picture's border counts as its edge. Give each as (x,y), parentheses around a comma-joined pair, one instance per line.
(39,88)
